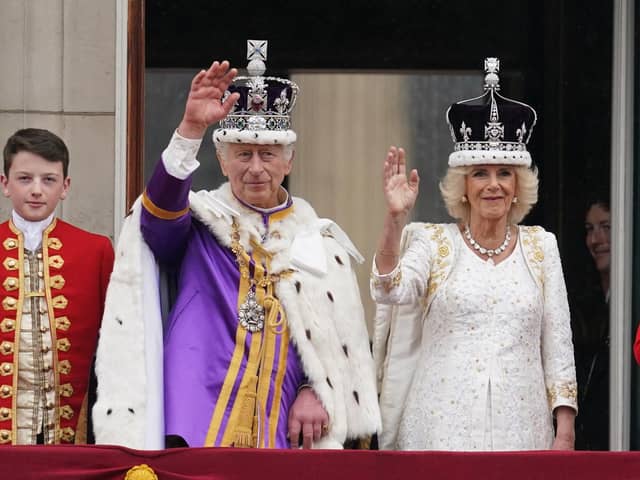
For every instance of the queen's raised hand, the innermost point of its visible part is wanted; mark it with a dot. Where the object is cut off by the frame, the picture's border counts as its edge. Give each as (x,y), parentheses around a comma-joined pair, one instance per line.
(400,191)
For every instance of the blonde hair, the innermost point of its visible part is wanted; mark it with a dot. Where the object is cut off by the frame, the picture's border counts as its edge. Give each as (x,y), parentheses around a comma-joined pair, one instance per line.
(453,186)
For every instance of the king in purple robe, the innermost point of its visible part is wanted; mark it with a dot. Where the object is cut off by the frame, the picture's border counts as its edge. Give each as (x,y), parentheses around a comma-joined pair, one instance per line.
(266,342)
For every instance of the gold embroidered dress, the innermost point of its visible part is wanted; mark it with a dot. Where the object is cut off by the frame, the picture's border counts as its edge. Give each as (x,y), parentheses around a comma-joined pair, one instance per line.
(494,357)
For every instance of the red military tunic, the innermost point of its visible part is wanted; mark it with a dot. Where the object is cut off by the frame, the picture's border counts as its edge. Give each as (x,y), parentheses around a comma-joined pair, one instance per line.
(71,272)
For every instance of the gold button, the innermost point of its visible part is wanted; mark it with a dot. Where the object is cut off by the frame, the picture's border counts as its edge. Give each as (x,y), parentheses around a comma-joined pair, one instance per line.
(64,367)
(6,347)
(12,282)
(44,328)
(46,368)
(11,263)
(45,349)
(7,325)
(66,412)
(11,243)
(6,390)
(39,256)
(7,367)
(66,390)
(40,274)
(50,405)
(64,344)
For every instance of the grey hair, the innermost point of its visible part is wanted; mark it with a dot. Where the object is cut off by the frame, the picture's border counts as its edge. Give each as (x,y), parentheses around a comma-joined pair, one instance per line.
(453,186)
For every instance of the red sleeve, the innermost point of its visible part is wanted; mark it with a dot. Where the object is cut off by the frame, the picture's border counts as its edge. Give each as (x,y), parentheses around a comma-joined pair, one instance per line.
(636,346)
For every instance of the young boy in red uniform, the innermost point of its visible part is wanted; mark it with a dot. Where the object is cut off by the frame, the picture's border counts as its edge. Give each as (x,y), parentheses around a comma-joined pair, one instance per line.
(53,279)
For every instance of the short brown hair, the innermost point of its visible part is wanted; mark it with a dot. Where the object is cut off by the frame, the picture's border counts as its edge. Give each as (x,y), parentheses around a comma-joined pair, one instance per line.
(39,142)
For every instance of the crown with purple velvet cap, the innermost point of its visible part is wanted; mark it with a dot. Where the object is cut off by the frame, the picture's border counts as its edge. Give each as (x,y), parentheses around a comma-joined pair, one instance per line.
(495,131)
(262,114)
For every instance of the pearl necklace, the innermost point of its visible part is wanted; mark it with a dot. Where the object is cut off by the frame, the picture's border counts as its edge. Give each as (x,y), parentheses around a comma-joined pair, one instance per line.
(490,252)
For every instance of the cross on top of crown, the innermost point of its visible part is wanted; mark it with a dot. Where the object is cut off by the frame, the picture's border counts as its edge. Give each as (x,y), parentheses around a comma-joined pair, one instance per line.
(257,50)
(491,69)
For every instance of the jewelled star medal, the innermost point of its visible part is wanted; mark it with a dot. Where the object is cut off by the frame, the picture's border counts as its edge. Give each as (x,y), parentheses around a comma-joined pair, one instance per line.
(251,313)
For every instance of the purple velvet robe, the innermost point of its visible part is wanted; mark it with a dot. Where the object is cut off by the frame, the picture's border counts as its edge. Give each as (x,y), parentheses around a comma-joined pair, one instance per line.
(205,348)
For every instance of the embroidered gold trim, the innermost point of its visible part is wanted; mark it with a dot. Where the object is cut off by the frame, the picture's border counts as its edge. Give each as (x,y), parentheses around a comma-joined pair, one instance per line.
(66,390)
(66,412)
(54,243)
(59,302)
(388,283)
(63,323)
(241,257)
(64,344)
(531,241)
(67,434)
(64,367)
(56,261)
(566,390)
(57,282)
(440,262)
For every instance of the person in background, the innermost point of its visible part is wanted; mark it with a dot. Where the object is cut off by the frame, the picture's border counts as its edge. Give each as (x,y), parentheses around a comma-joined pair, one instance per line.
(590,326)
(53,286)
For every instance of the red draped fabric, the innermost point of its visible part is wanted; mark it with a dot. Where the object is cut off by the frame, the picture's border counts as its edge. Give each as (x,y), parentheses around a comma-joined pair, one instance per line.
(113,463)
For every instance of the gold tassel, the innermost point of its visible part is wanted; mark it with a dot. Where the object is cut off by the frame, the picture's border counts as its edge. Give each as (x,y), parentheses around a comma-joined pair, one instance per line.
(243,435)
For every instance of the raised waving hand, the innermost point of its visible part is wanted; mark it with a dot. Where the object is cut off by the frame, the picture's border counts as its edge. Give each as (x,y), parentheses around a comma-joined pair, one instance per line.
(204,106)
(400,191)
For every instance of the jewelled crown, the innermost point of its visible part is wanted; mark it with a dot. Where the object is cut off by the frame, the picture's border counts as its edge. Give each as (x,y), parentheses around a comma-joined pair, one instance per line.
(496,131)
(262,114)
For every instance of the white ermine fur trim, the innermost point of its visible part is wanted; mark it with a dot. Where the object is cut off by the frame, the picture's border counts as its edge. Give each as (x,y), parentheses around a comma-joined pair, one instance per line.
(489,157)
(257,137)
(129,408)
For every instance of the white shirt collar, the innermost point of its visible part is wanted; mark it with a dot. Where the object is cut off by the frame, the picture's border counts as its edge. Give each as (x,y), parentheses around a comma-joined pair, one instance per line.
(32,231)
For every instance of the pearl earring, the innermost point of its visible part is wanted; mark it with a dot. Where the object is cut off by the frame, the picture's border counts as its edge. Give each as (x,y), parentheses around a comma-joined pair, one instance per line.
(464,199)
(515,200)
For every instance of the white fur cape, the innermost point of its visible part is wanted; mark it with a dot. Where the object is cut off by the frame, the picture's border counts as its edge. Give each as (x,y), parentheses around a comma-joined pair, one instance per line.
(322,304)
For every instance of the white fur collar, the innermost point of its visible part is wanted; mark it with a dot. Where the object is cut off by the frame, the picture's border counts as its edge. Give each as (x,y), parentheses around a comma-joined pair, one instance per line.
(277,240)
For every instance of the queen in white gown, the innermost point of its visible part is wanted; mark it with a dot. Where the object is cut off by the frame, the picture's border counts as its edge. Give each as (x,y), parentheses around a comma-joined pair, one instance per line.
(472,332)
